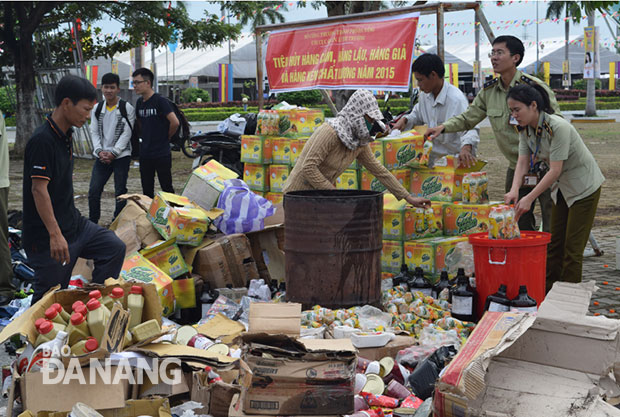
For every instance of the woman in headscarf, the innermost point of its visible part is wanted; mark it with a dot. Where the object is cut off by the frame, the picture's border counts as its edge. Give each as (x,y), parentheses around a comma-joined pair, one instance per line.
(336,143)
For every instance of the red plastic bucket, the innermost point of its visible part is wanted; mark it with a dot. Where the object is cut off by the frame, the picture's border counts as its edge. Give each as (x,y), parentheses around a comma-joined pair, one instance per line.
(512,262)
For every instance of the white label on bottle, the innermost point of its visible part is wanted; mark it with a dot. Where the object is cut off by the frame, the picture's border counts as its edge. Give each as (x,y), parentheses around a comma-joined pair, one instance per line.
(493,306)
(425,291)
(462,305)
(524,309)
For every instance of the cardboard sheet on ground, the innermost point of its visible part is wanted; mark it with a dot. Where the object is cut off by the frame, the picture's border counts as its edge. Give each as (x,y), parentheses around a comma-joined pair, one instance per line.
(557,363)
(275,318)
(219,326)
(165,350)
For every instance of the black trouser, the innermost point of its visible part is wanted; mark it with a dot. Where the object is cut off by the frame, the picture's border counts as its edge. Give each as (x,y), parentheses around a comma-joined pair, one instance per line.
(100,175)
(163,167)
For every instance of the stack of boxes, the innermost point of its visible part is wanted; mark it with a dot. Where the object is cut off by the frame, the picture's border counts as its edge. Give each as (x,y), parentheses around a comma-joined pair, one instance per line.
(269,155)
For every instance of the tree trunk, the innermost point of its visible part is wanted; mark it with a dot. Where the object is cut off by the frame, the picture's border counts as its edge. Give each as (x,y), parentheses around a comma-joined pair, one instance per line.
(591,86)
(27,118)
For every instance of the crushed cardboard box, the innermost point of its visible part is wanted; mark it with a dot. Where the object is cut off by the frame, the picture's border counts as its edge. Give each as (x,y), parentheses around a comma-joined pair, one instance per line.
(288,376)
(156,407)
(206,184)
(135,211)
(215,397)
(558,363)
(391,349)
(275,318)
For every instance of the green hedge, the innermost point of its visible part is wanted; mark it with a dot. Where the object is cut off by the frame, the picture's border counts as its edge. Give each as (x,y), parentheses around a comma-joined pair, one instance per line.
(10,121)
(566,106)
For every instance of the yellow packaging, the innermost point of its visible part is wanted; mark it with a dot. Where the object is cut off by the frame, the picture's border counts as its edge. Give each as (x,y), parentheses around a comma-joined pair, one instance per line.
(423,223)
(376,147)
(275,198)
(184,293)
(167,256)
(463,218)
(398,151)
(206,184)
(369,182)
(391,256)
(277,177)
(256,176)
(403,176)
(281,151)
(300,121)
(420,253)
(393,217)
(297,145)
(145,330)
(137,268)
(347,180)
(255,149)
(444,254)
(175,216)
(443,181)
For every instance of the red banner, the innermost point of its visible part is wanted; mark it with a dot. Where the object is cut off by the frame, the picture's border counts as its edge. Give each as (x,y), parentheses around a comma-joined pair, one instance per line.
(375,54)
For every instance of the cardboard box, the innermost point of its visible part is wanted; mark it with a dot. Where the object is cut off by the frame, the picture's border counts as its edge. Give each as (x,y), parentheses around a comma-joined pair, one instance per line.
(306,376)
(134,213)
(403,176)
(376,147)
(206,184)
(236,408)
(300,121)
(369,182)
(228,260)
(136,268)
(255,149)
(275,318)
(175,216)
(419,224)
(393,217)
(433,255)
(347,180)
(391,349)
(392,256)
(275,198)
(216,398)
(443,181)
(281,150)
(278,174)
(297,145)
(557,363)
(150,388)
(464,218)
(399,150)
(256,176)
(166,255)
(268,249)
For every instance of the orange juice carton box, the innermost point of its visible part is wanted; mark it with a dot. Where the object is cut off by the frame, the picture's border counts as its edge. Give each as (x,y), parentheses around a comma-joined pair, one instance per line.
(297,145)
(464,218)
(434,184)
(206,184)
(369,182)
(137,268)
(403,175)
(256,176)
(256,149)
(175,216)
(300,121)
(393,217)
(376,147)
(445,255)
(281,151)
(422,223)
(391,256)
(167,256)
(275,198)
(348,180)
(278,175)
(420,253)
(398,151)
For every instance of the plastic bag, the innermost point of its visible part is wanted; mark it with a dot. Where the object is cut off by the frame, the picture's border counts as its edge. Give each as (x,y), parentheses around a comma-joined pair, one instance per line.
(461,257)
(422,379)
(244,211)
(233,125)
(258,289)
(433,337)
(372,319)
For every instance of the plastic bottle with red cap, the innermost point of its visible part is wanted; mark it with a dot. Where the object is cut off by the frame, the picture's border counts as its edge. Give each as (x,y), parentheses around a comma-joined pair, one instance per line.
(76,305)
(96,294)
(65,316)
(77,329)
(135,304)
(53,315)
(117,295)
(85,346)
(97,319)
(47,332)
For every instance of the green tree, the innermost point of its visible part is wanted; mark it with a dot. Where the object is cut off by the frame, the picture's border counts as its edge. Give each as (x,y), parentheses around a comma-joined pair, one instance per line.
(153,22)
(256,13)
(189,95)
(575,10)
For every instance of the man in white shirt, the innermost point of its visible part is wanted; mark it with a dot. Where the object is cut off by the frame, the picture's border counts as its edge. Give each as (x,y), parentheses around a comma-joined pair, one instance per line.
(111,125)
(438,102)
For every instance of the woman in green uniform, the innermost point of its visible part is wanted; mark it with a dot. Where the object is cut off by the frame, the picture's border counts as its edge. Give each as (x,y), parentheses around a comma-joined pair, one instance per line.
(553,155)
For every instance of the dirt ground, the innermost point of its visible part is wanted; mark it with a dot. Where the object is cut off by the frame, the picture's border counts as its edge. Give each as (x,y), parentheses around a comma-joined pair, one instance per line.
(603,141)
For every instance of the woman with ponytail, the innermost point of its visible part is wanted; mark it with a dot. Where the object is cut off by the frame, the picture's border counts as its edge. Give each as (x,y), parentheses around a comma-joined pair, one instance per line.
(553,155)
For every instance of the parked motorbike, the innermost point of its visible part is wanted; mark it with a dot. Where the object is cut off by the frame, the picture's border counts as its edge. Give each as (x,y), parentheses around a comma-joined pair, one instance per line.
(387,115)
(223,147)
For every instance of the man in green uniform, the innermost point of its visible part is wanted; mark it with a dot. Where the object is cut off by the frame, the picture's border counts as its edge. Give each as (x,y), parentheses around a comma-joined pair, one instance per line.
(506,55)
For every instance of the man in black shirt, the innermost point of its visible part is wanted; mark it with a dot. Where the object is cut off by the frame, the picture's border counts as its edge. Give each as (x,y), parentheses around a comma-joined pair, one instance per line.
(54,232)
(158,124)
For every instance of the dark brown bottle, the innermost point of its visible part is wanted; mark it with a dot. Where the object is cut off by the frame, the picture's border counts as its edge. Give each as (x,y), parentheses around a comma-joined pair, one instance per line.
(498,301)
(463,297)
(523,302)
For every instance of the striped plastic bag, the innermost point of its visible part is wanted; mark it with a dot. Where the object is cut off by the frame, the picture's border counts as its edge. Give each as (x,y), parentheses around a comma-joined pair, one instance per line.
(244,211)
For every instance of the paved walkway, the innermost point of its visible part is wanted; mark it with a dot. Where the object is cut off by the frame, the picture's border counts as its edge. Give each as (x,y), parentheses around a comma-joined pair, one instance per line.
(604,271)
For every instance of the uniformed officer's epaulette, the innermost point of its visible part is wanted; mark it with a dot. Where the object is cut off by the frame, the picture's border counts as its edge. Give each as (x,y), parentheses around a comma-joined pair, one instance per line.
(490,83)
(527,80)
(547,127)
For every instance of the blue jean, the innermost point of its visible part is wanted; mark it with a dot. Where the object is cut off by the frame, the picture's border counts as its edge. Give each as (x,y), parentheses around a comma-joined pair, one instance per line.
(100,176)
(93,242)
